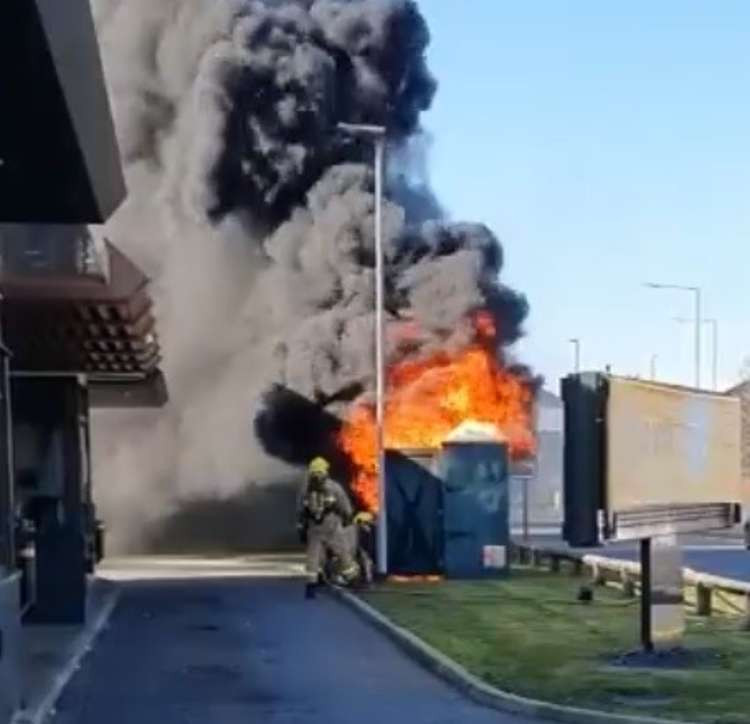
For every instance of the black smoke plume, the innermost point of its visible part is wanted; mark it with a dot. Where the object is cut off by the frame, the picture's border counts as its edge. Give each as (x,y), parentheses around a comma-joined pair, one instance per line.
(254,217)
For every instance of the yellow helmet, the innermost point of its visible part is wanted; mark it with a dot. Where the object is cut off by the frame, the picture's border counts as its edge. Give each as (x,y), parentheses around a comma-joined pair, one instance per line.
(319,466)
(364,518)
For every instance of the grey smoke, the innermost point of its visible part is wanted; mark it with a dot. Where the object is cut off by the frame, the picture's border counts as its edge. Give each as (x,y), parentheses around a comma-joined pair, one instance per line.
(254,219)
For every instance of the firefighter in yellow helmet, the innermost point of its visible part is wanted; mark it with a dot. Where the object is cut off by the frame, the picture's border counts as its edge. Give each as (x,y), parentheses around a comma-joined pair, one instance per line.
(323,511)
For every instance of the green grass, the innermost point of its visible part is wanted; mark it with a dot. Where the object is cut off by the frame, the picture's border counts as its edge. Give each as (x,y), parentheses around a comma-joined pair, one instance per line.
(528,634)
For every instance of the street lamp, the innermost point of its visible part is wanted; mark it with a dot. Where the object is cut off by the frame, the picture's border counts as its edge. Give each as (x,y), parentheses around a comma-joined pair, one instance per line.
(697,292)
(377,134)
(577,350)
(714,346)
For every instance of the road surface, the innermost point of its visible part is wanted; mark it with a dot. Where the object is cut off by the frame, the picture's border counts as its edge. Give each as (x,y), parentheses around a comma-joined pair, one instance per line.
(238,649)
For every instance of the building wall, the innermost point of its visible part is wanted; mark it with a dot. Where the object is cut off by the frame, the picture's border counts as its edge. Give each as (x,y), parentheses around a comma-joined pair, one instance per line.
(546,487)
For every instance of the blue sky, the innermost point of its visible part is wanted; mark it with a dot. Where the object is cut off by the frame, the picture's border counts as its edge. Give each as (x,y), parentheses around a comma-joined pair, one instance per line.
(606,144)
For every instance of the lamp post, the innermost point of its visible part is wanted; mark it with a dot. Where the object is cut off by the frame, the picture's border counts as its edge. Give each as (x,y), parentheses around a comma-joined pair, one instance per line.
(377,134)
(697,292)
(654,358)
(577,353)
(714,323)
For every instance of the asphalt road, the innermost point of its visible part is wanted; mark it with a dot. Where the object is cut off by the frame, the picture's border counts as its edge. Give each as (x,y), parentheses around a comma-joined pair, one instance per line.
(242,650)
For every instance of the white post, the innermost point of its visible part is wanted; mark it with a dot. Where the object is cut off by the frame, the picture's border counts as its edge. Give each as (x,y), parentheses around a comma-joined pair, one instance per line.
(382,527)
(378,134)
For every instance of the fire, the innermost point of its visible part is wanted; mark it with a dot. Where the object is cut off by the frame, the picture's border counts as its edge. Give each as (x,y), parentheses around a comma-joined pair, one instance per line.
(428,398)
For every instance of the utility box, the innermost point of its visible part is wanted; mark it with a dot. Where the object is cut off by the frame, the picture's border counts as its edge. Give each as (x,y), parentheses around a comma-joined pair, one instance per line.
(475,479)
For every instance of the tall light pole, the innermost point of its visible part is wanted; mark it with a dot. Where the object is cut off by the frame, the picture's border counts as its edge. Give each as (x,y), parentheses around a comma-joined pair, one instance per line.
(377,134)
(697,292)
(714,323)
(577,352)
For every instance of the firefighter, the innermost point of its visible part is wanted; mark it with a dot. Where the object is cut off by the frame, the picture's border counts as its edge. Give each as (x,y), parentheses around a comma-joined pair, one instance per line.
(324,511)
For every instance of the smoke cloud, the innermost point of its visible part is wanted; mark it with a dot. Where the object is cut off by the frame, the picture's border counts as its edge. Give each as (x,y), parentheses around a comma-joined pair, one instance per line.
(253,216)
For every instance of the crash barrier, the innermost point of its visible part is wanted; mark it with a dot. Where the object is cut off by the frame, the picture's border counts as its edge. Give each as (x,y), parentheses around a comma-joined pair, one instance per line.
(604,570)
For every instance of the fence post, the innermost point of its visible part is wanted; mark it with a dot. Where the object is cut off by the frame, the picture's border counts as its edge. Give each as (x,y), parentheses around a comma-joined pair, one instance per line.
(745,624)
(628,584)
(598,575)
(703,596)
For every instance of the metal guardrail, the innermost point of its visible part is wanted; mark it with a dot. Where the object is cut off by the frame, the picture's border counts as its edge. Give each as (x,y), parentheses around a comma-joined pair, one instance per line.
(604,569)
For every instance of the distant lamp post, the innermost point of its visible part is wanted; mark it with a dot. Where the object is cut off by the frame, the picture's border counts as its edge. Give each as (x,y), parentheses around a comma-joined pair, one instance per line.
(697,292)
(654,358)
(577,353)
(714,323)
(377,134)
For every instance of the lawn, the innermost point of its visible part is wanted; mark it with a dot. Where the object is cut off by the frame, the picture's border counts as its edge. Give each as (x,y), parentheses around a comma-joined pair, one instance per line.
(529,635)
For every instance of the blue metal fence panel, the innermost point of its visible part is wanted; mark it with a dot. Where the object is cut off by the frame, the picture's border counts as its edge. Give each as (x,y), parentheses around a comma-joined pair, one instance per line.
(415,513)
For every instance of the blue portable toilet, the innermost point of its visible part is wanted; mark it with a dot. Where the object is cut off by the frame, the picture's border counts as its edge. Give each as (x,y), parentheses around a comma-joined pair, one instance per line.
(474,469)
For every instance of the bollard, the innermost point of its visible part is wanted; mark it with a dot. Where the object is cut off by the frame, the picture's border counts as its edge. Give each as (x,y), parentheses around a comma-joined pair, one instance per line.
(703,596)
(628,584)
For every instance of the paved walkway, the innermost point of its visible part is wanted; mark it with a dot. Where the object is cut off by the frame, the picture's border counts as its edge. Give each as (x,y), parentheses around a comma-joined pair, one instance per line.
(230,650)
(48,650)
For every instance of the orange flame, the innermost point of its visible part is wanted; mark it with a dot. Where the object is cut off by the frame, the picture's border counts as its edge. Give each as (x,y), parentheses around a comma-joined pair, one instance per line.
(428,398)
